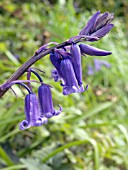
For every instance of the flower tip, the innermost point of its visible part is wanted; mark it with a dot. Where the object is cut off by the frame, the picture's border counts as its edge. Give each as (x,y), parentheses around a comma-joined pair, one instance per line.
(60,108)
(86,88)
(24,125)
(49,115)
(57,112)
(82,88)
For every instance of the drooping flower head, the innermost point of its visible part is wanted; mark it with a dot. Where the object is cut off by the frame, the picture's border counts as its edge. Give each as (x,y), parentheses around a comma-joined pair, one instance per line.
(45,99)
(68,65)
(32,113)
(46,103)
(31,108)
(76,61)
(71,85)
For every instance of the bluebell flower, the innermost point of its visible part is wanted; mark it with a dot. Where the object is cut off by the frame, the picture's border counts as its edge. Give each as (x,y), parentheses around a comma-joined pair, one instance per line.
(68,69)
(31,108)
(70,84)
(32,113)
(46,103)
(76,62)
(99,25)
(90,50)
(45,99)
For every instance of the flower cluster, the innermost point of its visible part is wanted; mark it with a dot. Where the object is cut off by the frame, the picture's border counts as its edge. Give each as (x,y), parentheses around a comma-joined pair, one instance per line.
(66,60)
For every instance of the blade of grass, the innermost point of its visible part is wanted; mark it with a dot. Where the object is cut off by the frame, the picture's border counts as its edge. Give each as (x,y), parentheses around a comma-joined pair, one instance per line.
(15,167)
(76,143)
(124,131)
(12,57)
(3,138)
(92,112)
(5,157)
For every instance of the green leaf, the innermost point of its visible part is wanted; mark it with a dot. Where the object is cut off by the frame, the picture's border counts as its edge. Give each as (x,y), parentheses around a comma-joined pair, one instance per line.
(5,157)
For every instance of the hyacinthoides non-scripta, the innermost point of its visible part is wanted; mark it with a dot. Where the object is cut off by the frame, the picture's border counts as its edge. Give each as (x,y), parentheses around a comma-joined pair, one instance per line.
(66,59)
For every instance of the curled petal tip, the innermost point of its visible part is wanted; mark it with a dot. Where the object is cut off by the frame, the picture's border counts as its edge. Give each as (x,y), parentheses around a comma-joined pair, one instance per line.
(49,114)
(82,88)
(60,108)
(57,112)
(24,125)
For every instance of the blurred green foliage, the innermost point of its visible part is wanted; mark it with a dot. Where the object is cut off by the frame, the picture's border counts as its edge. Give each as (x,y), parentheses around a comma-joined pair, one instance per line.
(92,132)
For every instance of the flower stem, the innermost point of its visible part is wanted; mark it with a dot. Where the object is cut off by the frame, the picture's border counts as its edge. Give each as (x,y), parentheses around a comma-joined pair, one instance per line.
(30,62)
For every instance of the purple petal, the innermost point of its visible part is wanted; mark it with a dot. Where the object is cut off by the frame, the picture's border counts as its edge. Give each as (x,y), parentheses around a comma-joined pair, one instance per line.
(24,125)
(101,21)
(90,24)
(45,100)
(31,108)
(31,112)
(103,31)
(76,61)
(57,112)
(68,73)
(110,18)
(87,49)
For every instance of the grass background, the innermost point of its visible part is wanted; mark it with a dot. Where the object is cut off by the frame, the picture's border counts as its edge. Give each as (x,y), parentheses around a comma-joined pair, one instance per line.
(91,132)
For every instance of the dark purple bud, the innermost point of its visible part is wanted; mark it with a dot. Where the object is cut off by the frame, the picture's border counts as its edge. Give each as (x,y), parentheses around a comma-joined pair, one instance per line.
(32,113)
(87,49)
(86,30)
(99,25)
(76,61)
(100,22)
(102,31)
(110,18)
(71,85)
(46,103)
